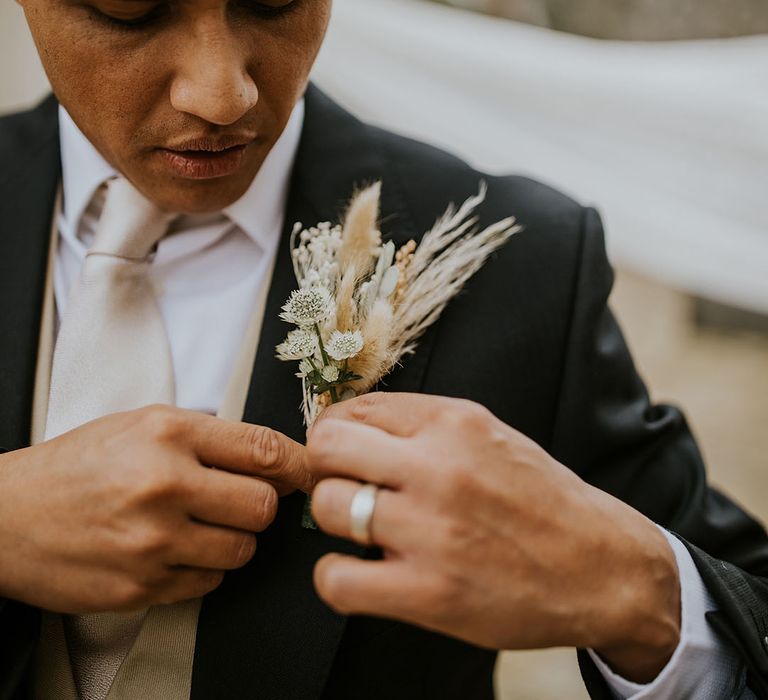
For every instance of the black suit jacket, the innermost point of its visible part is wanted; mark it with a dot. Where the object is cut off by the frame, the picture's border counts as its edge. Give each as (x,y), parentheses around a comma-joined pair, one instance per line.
(537,346)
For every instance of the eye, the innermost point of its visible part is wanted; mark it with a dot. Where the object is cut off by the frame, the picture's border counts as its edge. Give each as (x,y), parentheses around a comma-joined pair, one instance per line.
(136,15)
(128,15)
(267,8)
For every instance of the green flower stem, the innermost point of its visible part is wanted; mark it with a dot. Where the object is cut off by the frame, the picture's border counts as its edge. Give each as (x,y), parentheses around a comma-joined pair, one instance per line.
(307,521)
(326,361)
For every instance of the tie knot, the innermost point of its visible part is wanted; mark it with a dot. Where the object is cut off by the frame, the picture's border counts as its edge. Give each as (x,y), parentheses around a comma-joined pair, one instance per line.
(130,225)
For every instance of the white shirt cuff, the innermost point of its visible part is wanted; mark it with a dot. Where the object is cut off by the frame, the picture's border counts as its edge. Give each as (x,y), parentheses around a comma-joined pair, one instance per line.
(703,665)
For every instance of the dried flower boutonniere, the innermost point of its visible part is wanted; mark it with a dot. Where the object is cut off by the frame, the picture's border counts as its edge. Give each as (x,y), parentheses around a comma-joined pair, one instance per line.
(362,304)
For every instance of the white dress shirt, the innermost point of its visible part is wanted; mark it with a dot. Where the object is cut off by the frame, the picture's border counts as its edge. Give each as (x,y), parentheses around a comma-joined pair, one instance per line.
(207,273)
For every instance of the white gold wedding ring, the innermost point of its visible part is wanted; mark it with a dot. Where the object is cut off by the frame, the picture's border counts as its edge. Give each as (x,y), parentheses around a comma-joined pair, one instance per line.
(361,514)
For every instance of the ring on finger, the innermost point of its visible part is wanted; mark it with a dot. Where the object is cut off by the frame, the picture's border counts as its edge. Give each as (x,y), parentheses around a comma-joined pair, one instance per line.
(361,514)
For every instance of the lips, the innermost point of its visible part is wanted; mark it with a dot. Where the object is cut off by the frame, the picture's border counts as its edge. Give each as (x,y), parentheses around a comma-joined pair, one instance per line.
(205,159)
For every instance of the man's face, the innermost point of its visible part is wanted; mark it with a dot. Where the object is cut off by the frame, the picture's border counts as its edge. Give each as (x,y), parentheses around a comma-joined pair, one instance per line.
(184,97)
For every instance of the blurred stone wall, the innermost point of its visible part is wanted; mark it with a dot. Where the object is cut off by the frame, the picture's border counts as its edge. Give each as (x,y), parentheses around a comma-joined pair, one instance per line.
(635,19)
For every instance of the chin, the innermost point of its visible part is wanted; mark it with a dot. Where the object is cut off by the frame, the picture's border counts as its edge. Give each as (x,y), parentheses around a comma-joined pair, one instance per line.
(196,196)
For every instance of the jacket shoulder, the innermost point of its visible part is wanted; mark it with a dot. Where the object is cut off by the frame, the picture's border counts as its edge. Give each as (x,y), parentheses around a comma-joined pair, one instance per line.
(431,178)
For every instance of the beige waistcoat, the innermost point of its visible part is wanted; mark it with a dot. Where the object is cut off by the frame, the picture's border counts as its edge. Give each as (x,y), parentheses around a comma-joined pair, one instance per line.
(159,664)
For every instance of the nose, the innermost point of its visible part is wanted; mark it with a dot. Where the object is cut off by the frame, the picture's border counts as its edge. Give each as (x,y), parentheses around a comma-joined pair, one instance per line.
(212,80)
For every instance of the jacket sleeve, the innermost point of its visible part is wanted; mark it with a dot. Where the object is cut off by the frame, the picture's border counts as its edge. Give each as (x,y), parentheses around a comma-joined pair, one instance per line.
(608,431)
(19,626)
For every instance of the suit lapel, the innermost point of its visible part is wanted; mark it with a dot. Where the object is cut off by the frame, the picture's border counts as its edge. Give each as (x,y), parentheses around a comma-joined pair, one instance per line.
(28,184)
(264,632)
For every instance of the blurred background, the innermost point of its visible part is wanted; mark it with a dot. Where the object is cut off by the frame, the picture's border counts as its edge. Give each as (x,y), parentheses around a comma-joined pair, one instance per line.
(654,111)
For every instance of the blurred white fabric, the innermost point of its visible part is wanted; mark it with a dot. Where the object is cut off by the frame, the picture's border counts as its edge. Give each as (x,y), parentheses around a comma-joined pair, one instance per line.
(668,140)
(22,81)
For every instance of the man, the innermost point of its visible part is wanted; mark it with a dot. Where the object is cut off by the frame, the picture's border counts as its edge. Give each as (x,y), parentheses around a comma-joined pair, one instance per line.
(190,113)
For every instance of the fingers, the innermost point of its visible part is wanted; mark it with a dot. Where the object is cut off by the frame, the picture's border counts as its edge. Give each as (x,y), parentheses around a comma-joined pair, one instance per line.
(385,588)
(392,525)
(249,449)
(206,547)
(398,414)
(362,452)
(232,500)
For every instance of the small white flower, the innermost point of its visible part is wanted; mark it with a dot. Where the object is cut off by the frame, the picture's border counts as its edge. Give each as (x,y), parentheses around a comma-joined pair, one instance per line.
(330,373)
(305,367)
(343,346)
(298,345)
(308,306)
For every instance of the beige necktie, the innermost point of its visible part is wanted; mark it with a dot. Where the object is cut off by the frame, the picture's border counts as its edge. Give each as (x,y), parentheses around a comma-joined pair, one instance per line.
(112,354)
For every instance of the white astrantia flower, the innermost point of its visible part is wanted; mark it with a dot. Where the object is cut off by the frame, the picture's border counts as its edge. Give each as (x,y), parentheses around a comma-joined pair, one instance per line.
(305,367)
(330,373)
(298,345)
(343,346)
(307,307)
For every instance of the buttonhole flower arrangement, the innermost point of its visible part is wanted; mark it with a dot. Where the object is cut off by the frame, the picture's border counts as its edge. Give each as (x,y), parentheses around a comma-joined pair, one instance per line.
(361,304)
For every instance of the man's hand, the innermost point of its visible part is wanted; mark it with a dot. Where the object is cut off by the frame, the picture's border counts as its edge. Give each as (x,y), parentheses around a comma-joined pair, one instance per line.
(124,512)
(488,538)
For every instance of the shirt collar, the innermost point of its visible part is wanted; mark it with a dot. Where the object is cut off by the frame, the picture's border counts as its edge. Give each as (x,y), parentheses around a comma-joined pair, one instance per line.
(83,169)
(258,213)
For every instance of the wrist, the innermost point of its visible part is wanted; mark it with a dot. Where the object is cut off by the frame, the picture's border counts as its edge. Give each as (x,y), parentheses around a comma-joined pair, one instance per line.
(645,608)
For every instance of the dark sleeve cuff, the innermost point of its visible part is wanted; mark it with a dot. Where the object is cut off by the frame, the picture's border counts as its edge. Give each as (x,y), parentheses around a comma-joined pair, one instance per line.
(742,614)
